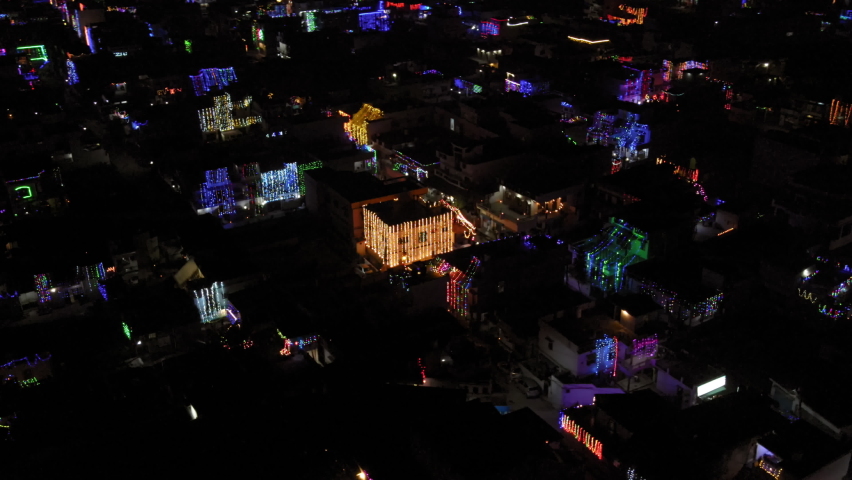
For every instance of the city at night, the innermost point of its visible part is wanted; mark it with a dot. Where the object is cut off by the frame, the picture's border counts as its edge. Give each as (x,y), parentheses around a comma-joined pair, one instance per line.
(375,240)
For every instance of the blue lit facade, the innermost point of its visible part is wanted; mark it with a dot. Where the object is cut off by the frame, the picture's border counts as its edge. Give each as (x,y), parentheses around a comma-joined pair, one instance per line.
(209,78)
(218,192)
(280,184)
(378,21)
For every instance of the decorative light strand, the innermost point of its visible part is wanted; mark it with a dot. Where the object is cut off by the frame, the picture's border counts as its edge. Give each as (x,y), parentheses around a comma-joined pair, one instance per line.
(606,356)
(576,431)
(42,284)
(458,289)
(208,78)
(211,302)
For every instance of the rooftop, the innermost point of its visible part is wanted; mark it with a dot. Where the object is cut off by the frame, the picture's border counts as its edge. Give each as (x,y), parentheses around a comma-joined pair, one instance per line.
(399,212)
(635,304)
(362,186)
(637,411)
(803,448)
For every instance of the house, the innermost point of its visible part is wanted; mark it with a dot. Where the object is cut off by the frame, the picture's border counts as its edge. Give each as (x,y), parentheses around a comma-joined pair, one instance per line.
(633,310)
(512,278)
(27,371)
(800,451)
(338,199)
(545,199)
(620,416)
(570,344)
(396,233)
(676,285)
(818,201)
(715,440)
(808,400)
(687,383)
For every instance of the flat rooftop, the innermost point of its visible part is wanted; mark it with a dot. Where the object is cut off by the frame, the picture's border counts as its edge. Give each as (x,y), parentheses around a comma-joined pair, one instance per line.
(398,212)
(362,186)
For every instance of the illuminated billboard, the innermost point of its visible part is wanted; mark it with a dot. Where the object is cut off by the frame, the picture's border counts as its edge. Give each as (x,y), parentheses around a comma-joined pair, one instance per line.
(711,386)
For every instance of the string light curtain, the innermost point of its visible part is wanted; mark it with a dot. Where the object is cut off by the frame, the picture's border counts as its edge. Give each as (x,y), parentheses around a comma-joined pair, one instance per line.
(280,184)
(410,241)
(220,117)
(211,302)
(358,124)
(608,253)
(210,78)
(458,289)
(218,191)
(606,356)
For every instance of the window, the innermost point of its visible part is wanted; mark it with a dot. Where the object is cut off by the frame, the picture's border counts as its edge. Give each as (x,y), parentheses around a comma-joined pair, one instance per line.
(476,390)
(485,390)
(501,286)
(591,358)
(453,124)
(423,237)
(549,343)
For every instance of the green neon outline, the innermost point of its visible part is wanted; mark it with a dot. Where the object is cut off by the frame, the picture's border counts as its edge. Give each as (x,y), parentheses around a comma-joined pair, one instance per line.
(29,191)
(40,48)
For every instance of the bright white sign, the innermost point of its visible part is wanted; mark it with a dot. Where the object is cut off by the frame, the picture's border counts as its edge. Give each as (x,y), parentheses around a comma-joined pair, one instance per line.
(710,386)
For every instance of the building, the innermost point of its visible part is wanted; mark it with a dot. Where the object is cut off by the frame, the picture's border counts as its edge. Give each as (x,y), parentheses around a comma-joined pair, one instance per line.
(338,199)
(800,451)
(536,199)
(397,233)
(676,285)
(27,372)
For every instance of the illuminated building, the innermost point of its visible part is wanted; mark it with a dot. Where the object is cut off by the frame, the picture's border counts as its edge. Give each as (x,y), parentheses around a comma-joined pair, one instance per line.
(480,277)
(280,184)
(489,28)
(90,277)
(211,303)
(673,70)
(526,87)
(606,356)
(327,190)
(528,202)
(378,20)
(35,53)
(27,371)
(221,117)
(217,192)
(404,232)
(628,15)
(458,289)
(357,126)
(310,20)
(622,131)
(42,285)
(639,85)
(607,254)
(689,173)
(682,296)
(212,78)
(466,86)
